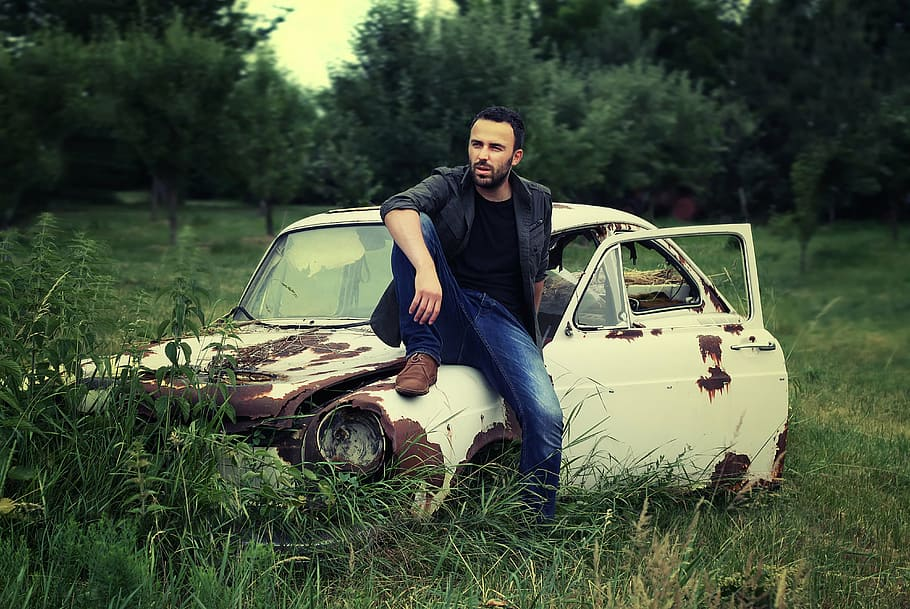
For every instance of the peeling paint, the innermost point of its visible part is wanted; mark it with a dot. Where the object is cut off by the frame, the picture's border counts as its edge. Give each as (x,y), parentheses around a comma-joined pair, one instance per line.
(498,432)
(777,468)
(733,328)
(718,381)
(709,346)
(715,298)
(271,351)
(656,332)
(415,452)
(628,335)
(731,470)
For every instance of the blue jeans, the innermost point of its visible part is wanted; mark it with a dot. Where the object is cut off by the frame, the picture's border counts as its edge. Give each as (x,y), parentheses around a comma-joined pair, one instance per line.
(474,329)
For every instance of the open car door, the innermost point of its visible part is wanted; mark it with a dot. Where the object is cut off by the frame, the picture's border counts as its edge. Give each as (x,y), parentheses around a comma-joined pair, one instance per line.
(662,362)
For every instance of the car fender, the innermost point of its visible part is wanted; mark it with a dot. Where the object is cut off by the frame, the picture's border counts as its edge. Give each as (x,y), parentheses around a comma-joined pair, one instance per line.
(447,427)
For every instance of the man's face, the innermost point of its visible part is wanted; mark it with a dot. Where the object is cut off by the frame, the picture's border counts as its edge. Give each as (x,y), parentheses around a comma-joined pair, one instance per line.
(491,152)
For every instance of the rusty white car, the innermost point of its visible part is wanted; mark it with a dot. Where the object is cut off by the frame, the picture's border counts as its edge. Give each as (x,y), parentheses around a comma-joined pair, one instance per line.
(654,339)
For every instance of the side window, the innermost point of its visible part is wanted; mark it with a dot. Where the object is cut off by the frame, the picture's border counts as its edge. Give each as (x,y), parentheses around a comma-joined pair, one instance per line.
(601,304)
(569,256)
(654,280)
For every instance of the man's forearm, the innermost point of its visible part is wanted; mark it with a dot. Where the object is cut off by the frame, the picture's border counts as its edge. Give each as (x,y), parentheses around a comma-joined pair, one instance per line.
(404,226)
(538,292)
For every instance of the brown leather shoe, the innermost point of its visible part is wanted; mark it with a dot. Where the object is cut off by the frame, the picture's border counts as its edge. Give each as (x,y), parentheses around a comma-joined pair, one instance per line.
(418,375)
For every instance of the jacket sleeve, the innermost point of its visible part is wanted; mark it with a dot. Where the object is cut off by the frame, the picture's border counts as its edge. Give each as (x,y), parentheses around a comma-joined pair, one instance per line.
(543,261)
(429,196)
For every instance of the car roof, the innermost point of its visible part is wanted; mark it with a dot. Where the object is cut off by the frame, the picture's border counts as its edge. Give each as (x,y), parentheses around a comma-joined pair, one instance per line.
(565,216)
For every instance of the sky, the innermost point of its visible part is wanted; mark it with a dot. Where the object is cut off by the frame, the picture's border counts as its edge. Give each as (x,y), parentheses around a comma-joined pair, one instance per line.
(318,34)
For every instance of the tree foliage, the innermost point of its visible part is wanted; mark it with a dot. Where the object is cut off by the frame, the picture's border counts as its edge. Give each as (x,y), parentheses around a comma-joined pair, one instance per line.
(267,134)
(170,97)
(726,100)
(224,20)
(44,96)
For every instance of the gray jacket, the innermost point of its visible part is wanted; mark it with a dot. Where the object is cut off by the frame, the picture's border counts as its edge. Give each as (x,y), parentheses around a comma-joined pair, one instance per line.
(447,197)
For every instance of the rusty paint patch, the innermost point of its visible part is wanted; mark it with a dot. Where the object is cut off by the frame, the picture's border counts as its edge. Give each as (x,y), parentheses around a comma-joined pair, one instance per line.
(628,335)
(709,346)
(342,354)
(733,328)
(715,298)
(498,432)
(274,350)
(656,332)
(731,470)
(415,453)
(717,381)
(777,468)
(561,206)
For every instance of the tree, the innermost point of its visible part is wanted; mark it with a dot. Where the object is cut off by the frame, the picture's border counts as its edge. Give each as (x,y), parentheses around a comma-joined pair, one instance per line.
(44,97)
(268,134)
(223,20)
(170,98)
(632,131)
(409,96)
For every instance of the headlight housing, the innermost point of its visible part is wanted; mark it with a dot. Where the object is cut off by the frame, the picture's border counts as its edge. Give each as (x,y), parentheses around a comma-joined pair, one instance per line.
(352,439)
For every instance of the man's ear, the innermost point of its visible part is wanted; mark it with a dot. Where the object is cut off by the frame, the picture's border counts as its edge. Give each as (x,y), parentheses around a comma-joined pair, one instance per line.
(516,157)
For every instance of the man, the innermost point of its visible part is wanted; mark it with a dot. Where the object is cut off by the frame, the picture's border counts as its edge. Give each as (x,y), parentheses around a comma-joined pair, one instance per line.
(471,247)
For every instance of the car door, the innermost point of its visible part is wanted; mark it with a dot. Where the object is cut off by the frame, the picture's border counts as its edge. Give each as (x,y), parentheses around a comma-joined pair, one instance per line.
(664,364)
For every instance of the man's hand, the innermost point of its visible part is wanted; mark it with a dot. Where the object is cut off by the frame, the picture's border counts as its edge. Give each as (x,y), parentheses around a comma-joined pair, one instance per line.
(427,296)
(404,226)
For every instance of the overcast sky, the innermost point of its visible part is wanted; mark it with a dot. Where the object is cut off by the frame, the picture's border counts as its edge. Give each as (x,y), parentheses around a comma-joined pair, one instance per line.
(318,34)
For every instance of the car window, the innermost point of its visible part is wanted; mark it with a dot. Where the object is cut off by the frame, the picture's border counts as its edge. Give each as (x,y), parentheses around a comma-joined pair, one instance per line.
(324,273)
(637,279)
(601,303)
(654,279)
(569,256)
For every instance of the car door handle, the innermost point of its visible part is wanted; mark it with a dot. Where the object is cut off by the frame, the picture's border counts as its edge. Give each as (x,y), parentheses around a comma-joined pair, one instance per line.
(769,346)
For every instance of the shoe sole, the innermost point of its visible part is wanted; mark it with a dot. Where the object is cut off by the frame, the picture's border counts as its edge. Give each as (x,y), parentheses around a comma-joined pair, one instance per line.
(410,393)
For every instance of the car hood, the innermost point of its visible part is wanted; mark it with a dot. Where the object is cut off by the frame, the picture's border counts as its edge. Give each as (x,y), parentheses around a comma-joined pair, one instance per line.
(276,370)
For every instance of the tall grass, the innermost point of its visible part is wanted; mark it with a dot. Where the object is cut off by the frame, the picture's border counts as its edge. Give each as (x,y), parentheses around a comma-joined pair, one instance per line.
(98,509)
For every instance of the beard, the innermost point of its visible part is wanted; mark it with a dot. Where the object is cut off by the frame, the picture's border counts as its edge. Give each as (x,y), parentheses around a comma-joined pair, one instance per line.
(495,178)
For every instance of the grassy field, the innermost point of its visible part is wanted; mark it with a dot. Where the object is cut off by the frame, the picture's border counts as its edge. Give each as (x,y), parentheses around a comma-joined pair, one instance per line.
(835,535)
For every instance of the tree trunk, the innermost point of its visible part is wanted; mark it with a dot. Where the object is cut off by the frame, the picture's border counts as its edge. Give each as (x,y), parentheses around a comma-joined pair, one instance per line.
(156,196)
(743,203)
(169,191)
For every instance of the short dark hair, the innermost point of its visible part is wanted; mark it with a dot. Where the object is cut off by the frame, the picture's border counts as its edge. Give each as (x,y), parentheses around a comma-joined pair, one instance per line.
(501,114)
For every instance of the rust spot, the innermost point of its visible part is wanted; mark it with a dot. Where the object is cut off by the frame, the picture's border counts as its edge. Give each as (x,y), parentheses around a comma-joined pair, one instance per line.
(718,381)
(777,468)
(274,350)
(561,206)
(498,432)
(734,328)
(731,470)
(415,452)
(719,305)
(656,332)
(710,347)
(628,335)
(343,353)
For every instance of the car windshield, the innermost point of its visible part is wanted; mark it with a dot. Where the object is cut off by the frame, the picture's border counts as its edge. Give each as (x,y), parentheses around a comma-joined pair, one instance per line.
(333,273)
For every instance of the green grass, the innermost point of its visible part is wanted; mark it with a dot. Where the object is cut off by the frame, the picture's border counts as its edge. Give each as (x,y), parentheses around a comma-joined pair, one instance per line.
(835,534)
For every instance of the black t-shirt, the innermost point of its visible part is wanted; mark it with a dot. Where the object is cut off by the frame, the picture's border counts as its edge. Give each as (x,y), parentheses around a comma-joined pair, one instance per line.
(489,262)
